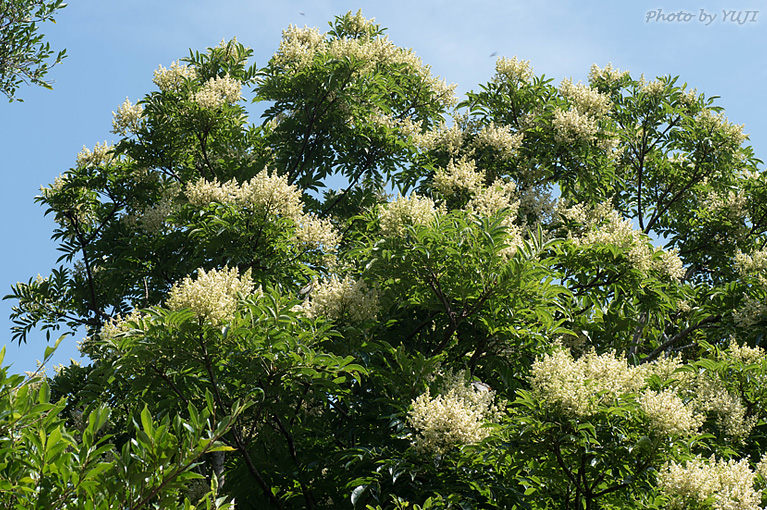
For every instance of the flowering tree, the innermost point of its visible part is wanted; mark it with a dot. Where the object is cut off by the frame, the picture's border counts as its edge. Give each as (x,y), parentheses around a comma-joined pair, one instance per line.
(412,316)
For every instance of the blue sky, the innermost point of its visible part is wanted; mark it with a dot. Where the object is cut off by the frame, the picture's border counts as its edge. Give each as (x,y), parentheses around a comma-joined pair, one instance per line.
(114,47)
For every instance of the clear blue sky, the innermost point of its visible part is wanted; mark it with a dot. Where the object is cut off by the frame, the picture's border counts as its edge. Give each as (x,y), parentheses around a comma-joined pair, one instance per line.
(114,47)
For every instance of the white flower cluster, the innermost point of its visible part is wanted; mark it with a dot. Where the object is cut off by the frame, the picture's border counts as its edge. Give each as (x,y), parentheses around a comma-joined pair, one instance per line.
(58,184)
(709,395)
(406,126)
(335,298)
(232,51)
(668,262)
(579,387)
(299,47)
(752,266)
(118,326)
(513,71)
(717,122)
(491,200)
(458,177)
(381,51)
(455,417)
(101,155)
(536,201)
(572,126)
(729,483)
(688,97)
(744,354)
(584,99)
(404,211)
(751,311)
(580,121)
(264,192)
(729,203)
(652,88)
(211,295)
(218,91)
(152,219)
(603,225)
(358,24)
(463,176)
(317,234)
(127,119)
(485,201)
(499,138)
(173,79)
(449,139)
(608,74)
(272,195)
(668,413)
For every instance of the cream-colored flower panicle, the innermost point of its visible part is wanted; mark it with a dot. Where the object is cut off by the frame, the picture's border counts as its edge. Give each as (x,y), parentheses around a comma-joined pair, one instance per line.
(581,387)
(58,184)
(730,204)
(152,220)
(572,126)
(299,48)
(608,73)
(119,326)
(753,268)
(724,484)
(653,88)
(668,414)
(499,138)
(407,211)
(406,126)
(513,71)
(100,155)
(750,312)
(267,193)
(709,395)
(449,139)
(492,200)
(580,121)
(714,122)
(173,79)
(317,233)
(752,265)
(744,354)
(603,225)
(456,417)
(458,177)
(336,298)
(584,99)
(112,330)
(218,91)
(127,119)
(211,295)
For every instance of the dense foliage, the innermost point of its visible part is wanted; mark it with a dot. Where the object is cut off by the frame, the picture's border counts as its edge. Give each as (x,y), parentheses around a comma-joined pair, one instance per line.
(539,297)
(25,56)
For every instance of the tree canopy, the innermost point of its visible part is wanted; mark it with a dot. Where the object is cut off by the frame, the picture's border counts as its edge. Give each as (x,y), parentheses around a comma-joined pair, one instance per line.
(380,296)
